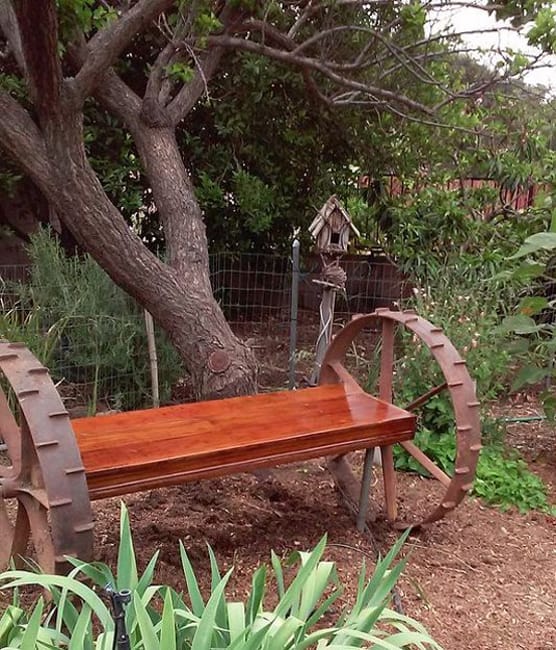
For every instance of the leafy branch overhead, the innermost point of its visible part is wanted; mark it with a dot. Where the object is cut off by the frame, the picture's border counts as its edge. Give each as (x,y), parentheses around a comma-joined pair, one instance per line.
(347,51)
(146,65)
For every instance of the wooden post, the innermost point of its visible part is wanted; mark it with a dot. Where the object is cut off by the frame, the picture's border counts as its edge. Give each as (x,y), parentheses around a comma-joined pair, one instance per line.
(331,229)
(325,330)
(153,359)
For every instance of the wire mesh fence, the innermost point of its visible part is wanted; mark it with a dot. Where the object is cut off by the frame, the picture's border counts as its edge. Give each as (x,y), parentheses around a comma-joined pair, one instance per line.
(93,337)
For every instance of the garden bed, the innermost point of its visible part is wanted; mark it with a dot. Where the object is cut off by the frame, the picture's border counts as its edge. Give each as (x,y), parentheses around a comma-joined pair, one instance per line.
(480,579)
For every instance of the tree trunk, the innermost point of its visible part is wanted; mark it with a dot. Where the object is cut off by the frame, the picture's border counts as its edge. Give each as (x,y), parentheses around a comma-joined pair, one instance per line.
(179,297)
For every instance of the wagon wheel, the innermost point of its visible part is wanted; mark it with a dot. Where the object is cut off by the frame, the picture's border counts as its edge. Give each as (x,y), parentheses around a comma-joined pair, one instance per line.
(455,379)
(43,490)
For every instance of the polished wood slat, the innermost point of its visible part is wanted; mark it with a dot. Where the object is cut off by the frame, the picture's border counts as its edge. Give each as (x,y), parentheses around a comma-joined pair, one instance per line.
(133,451)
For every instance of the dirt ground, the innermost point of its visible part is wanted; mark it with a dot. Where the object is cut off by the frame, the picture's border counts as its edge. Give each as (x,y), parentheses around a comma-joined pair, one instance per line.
(480,579)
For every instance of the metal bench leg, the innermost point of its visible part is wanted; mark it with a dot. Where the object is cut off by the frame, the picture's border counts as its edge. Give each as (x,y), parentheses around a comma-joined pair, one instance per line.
(365,488)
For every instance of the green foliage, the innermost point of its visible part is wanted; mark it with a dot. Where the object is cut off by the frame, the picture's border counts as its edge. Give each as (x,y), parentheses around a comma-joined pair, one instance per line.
(88,15)
(180,72)
(543,32)
(469,314)
(532,330)
(503,478)
(158,618)
(112,155)
(85,329)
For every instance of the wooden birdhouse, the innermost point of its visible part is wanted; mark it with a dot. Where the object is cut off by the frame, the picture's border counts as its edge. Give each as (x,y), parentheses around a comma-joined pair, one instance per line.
(332,228)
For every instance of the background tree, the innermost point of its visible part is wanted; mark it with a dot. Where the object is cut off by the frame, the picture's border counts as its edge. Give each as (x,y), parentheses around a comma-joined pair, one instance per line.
(150,64)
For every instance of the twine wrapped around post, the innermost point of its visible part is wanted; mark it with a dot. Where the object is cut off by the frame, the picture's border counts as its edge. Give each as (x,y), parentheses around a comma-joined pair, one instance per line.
(333,279)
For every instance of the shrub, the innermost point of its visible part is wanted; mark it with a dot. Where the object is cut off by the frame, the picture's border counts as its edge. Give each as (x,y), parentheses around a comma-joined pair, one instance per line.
(470,316)
(85,329)
(158,618)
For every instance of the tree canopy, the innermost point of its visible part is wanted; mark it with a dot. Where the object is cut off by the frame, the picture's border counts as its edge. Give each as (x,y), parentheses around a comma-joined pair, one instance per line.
(109,107)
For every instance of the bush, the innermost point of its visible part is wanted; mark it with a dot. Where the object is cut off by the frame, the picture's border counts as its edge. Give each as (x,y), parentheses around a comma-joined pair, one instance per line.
(85,329)
(470,316)
(158,618)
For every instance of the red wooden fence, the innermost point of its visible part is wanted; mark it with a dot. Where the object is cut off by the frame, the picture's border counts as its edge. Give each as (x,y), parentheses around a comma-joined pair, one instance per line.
(517,199)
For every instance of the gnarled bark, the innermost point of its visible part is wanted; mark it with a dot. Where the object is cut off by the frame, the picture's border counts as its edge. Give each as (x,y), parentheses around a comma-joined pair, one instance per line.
(179,294)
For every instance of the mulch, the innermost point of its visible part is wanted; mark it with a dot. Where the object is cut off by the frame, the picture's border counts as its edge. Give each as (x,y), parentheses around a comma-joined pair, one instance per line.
(482,578)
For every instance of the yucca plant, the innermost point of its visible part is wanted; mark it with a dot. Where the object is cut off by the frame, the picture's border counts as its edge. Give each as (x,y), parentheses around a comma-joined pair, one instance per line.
(159,618)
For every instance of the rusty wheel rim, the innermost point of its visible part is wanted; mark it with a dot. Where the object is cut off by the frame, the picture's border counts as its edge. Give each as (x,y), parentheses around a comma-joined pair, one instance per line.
(457,382)
(44,497)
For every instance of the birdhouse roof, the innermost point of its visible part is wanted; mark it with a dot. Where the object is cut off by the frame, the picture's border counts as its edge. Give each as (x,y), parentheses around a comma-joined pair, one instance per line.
(324,214)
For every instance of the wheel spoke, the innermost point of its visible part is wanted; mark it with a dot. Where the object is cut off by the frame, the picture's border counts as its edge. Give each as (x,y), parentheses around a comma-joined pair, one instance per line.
(13,537)
(386,377)
(40,532)
(426,462)
(6,536)
(390,482)
(344,376)
(425,397)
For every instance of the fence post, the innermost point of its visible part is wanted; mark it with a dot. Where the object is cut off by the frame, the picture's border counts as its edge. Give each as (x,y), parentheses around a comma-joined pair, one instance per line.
(294,308)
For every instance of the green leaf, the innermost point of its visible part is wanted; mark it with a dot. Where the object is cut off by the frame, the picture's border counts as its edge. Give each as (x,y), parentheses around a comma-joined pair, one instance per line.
(8,622)
(532,305)
(278,572)
(519,346)
(529,375)
(31,633)
(548,400)
(293,592)
(146,579)
(279,635)
(127,564)
(236,619)
(80,638)
(215,578)
(87,595)
(197,602)
(149,639)
(541,241)
(181,72)
(205,629)
(520,324)
(314,588)
(168,626)
(257,594)
(528,271)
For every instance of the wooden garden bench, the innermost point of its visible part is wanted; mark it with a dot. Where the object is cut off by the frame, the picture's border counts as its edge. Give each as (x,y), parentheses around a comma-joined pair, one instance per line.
(56,466)
(126,452)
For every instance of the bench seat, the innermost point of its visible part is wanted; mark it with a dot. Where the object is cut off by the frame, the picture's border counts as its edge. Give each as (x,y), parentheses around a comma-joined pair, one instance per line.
(126,452)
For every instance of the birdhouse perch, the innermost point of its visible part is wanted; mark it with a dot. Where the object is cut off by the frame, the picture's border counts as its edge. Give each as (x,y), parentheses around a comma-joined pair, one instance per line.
(332,228)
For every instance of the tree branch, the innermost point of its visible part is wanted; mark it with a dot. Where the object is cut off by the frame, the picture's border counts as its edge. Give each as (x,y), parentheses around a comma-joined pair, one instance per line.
(10,29)
(189,93)
(38,26)
(381,95)
(112,92)
(22,140)
(108,43)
